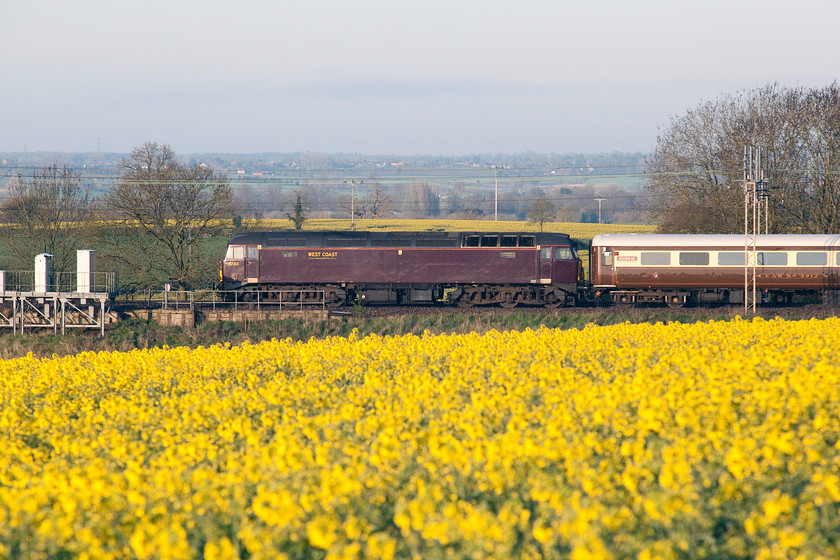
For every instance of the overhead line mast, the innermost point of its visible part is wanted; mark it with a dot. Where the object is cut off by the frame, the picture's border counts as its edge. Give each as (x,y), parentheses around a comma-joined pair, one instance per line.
(756,203)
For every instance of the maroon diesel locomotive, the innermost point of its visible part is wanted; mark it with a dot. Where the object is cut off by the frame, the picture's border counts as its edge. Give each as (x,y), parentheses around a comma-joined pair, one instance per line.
(464,268)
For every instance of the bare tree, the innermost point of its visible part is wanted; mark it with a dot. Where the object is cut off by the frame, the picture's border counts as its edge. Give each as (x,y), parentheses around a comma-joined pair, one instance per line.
(696,169)
(166,211)
(374,204)
(541,210)
(422,201)
(809,187)
(45,213)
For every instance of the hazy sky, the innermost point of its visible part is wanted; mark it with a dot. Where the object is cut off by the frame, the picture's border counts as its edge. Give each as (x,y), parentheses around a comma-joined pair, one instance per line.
(390,77)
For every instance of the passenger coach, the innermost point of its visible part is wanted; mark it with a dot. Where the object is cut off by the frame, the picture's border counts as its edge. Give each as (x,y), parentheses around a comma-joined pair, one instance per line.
(675,269)
(466,268)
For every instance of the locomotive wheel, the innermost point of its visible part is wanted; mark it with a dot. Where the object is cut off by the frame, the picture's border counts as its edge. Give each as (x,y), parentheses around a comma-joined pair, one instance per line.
(675,304)
(553,302)
(509,304)
(466,299)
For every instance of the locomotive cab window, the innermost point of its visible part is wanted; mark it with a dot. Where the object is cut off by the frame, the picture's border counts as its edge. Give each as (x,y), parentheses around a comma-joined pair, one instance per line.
(563,253)
(546,252)
(235,252)
(252,252)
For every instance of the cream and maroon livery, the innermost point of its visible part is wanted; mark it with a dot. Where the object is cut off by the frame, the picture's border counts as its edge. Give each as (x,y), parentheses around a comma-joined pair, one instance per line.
(675,269)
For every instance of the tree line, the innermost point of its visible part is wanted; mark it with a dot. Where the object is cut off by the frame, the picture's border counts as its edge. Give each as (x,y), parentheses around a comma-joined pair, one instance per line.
(696,171)
(154,224)
(427,199)
(162,220)
(151,226)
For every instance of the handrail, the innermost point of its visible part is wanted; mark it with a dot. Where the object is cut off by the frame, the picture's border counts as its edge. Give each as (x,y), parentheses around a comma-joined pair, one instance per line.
(272,299)
(65,282)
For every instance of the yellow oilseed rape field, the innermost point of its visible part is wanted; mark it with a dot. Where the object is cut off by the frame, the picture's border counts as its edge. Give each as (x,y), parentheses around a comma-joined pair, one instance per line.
(711,440)
(574,229)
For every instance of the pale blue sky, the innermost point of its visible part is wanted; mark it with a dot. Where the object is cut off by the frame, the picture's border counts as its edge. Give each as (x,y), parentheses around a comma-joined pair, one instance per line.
(390,77)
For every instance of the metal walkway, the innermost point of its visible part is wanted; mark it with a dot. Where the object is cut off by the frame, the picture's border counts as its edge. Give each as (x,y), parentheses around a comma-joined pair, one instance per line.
(22,311)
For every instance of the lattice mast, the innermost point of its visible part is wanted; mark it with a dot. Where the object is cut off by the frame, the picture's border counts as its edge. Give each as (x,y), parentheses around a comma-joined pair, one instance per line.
(756,218)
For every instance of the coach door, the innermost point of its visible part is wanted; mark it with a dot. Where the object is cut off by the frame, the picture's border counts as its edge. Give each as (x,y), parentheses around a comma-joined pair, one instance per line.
(602,266)
(252,263)
(833,268)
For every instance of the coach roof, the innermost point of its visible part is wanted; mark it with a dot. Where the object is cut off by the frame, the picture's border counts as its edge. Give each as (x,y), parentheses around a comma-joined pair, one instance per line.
(735,241)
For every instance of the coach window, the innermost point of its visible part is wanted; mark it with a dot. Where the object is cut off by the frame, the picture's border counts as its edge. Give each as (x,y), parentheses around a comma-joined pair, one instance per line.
(731,259)
(490,241)
(527,241)
(772,259)
(471,240)
(811,259)
(564,253)
(694,259)
(508,241)
(660,258)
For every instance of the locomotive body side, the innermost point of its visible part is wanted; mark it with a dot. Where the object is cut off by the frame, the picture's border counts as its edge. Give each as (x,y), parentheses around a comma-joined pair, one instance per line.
(405,266)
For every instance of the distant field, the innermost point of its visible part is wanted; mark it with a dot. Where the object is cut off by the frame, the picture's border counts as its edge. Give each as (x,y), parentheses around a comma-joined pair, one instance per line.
(578,231)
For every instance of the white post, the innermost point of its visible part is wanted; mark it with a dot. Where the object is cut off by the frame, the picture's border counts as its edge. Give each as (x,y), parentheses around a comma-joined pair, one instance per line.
(43,272)
(85,261)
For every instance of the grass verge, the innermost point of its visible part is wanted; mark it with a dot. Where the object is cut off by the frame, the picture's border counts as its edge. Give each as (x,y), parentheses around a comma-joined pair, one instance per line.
(133,334)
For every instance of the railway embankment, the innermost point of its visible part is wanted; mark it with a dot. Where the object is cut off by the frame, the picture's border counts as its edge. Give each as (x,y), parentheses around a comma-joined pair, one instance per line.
(189,318)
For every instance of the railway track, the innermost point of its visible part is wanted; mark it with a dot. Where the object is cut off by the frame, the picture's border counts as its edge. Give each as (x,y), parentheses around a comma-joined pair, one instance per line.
(792,312)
